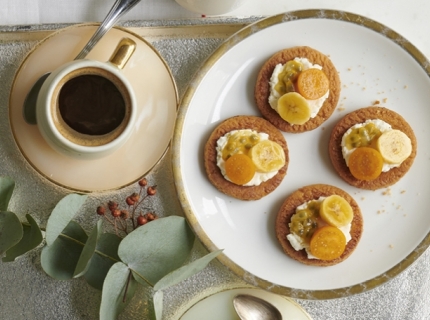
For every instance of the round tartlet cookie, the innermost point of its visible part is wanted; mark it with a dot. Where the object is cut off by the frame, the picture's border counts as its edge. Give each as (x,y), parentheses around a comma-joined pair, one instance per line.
(214,173)
(313,192)
(385,179)
(262,88)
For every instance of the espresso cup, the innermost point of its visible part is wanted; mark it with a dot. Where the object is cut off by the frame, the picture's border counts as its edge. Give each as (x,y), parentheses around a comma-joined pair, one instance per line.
(86,109)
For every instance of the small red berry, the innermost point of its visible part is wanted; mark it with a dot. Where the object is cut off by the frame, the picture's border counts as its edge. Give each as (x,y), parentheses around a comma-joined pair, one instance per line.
(116,213)
(150,216)
(101,211)
(112,205)
(135,197)
(141,220)
(151,190)
(143,182)
(130,201)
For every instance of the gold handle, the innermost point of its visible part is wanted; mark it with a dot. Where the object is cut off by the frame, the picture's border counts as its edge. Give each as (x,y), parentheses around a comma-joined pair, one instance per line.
(123,52)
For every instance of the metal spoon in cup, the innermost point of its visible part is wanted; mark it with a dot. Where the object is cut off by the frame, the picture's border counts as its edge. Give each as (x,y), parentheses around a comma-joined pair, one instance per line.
(119,8)
(249,307)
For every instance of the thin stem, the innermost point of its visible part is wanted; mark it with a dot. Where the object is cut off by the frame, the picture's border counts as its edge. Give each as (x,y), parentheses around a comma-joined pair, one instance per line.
(116,228)
(109,220)
(126,287)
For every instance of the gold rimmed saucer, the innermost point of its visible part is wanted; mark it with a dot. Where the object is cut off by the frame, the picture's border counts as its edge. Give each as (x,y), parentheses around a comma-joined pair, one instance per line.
(219,305)
(157,103)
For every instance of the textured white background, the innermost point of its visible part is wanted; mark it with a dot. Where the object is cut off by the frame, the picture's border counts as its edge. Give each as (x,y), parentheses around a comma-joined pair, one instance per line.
(409,18)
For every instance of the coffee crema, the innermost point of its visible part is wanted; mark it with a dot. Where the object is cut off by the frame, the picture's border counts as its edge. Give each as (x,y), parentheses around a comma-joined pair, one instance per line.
(91,104)
(92,107)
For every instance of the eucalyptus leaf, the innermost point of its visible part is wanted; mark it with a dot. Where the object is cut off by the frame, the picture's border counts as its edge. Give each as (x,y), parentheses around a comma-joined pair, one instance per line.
(106,255)
(157,300)
(10,230)
(62,214)
(59,260)
(157,248)
(32,237)
(186,271)
(88,251)
(6,189)
(118,289)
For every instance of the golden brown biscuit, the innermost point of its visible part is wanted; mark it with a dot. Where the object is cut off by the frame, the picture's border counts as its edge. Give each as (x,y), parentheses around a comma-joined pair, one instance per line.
(302,195)
(262,88)
(359,116)
(214,173)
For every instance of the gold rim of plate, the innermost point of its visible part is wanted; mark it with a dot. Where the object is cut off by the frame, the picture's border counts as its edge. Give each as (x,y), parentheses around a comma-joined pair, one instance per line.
(176,145)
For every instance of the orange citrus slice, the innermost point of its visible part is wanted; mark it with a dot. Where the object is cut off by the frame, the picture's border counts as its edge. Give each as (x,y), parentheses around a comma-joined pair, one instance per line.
(365,163)
(312,84)
(327,243)
(239,168)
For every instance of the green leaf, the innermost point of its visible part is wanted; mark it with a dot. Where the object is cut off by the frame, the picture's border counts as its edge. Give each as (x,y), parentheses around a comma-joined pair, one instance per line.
(59,260)
(157,248)
(31,239)
(88,251)
(158,304)
(118,289)
(104,258)
(6,189)
(10,230)
(186,271)
(62,214)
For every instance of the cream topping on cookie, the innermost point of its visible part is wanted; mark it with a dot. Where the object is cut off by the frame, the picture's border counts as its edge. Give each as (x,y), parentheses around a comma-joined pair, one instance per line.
(314,105)
(381,125)
(299,244)
(259,177)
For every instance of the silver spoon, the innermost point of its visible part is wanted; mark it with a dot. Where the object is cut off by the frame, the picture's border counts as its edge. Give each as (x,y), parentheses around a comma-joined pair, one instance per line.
(119,8)
(249,307)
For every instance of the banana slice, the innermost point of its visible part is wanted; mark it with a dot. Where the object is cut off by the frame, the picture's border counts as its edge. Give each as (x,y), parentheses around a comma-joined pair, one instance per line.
(267,156)
(394,146)
(336,211)
(293,108)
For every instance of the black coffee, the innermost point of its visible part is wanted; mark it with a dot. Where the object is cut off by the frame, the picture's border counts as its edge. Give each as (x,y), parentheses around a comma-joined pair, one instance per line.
(91,104)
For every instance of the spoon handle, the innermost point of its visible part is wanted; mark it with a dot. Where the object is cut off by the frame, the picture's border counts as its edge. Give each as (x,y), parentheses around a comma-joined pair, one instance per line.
(119,8)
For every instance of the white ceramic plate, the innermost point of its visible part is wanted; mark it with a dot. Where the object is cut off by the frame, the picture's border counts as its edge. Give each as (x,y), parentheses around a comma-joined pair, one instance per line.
(157,102)
(220,306)
(375,64)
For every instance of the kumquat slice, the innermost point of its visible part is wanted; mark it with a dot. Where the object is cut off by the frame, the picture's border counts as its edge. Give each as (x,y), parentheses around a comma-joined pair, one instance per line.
(327,243)
(312,84)
(239,168)
(365,163)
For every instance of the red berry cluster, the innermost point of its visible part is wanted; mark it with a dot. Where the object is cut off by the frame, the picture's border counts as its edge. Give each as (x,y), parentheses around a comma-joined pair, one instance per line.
(132,217)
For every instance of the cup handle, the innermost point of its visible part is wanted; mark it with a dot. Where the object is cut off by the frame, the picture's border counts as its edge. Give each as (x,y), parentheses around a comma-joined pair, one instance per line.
(124,50)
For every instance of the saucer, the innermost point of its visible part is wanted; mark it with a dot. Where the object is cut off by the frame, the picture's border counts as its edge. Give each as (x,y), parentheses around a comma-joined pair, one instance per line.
(220,306)
(157,103)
